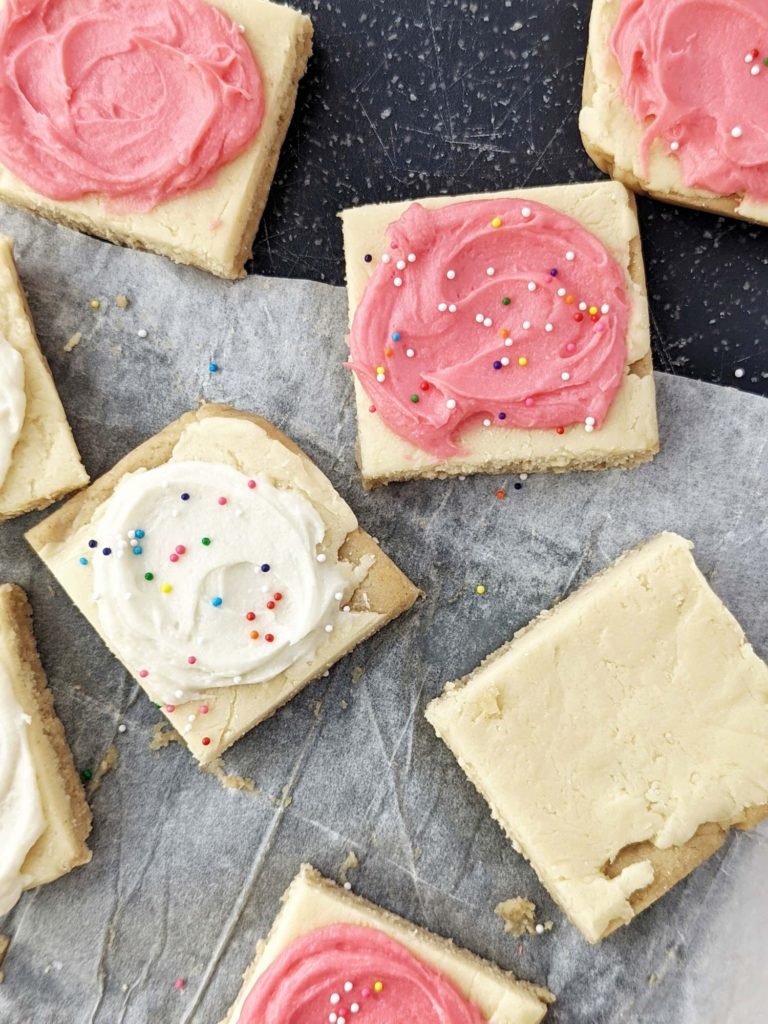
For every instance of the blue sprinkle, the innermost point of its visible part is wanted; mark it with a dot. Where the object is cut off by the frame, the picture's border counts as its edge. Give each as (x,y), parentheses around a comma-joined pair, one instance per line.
(502,415)
(83,561)
(185,496)
(107,551)
(496,364)
(213,367)
(216,602)
(92,543)
(553,272)
(396,336)
(139,534)
(138,550)
(265,567)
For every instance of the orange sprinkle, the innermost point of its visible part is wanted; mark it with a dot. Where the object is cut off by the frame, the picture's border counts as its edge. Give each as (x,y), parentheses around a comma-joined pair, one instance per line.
(388,353)
(501,494)
(254,634)
(570,299)
(503,333)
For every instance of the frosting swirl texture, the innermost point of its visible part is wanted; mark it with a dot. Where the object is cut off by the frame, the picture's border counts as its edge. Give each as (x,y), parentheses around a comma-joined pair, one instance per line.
(13,403)
(139,101)
(692,73)
(205,578)
(354,974)
(21,813)
(494,311)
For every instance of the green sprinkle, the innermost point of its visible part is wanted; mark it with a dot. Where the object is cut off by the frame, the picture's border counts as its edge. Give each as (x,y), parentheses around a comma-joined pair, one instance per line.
(206,541)
(149,576)
(505,301)
(414,398)
(86,774)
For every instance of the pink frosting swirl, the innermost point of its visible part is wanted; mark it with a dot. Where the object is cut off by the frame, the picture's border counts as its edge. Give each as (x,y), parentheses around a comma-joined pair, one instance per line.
(693,73)
(136,100)
(330,971)
(500,311)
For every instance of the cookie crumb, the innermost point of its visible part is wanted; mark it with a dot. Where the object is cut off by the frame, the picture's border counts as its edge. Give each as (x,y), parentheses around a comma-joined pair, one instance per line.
(240,782)
(73,342)
(162,735)
(121,301)
(350,863)
(518,915)
(4,944)
(105,766)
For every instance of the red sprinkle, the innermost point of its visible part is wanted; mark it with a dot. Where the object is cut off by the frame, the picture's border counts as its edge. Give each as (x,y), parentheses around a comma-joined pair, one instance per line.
(371,408)
(203,709)
(180,549)
(205,740)
(278,597)
(179,984)
(270,604)
(578,317)
(170,708)
(424,385)
(251,484)
(191,659)
(222,501)
(143,673)
(174,558)
(250,616)
(268,637)
(560,430)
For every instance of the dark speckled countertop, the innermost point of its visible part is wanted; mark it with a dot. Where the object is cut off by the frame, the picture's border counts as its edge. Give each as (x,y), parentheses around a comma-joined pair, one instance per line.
(409,98)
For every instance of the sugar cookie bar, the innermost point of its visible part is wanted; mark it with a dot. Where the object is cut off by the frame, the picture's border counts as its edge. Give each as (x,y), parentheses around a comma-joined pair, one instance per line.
(222,568)
(468,282)
(39,461)
(213,225)
(45,820)
(313,904)
(618,736)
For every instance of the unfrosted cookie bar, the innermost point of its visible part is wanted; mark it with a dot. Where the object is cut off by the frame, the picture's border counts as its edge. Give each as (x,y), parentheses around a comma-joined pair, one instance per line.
(142,181)
(222,568)
(500,333)
(39,461)
(619,736)
(45,819)
(335,954)
(651,68)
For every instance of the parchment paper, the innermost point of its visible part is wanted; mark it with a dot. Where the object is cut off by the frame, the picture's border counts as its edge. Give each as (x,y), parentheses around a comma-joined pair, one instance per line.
(186,875)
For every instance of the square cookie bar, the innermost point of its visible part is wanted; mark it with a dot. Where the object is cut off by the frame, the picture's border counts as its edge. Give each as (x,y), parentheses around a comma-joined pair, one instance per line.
(39,461)
(476,337)
(618,736)
(221,567)
(45,819)
(191,202)
(387,958)
(648,75)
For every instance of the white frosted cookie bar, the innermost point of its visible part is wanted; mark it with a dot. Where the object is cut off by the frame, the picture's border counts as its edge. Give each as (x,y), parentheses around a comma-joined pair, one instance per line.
(45,819)
(39,461)
(489,304)
(313,903)
(212,225)
(223,569)
(618,736)
(684,151)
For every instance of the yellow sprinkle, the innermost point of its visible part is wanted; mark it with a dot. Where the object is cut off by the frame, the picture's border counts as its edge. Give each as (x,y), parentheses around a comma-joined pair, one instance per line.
(496,222)
(94,304)
(522,361)
(592,310)
(378,986)
(166,588)
(379,369)
(479,589)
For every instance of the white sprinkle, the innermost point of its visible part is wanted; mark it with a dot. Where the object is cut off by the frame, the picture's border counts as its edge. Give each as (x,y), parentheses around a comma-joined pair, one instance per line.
(508,342)
(237,680)
(748,58)
(329,628)
(561,292)
(397,282)
(347,986)
(122,728)
(187,728)
(338,595)
(548,328)
(605,308)
(487,322)
(490,271)
(451,403)
(342,1020)
(526,325)
(588,428)
(504,360)
(737,131)
(590,421)
(582,306)
(345,609)
(442,307)
(335,998)
(354,1007)
(479,318)
(570,255)
(141,332)
(386,258)
(755,70)
(411,257)
(674,145)
(410,353)
(348,886)
(539,929)
(190,718)
(451,308)
(739,372)
(178,694)
(400,264)
(380,377)
(131,534)
(565,375)
(321,557)
(525,212)
(523,476)
(332,1018)
(531,286)
(486,423)
(451,274)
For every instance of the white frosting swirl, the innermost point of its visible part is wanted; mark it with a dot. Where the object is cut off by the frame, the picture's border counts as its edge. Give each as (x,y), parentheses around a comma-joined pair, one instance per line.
(21,812)
(13,403)
(218,548)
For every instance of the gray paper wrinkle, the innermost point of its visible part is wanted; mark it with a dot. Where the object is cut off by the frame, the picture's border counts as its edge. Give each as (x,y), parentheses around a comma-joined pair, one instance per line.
(187,875)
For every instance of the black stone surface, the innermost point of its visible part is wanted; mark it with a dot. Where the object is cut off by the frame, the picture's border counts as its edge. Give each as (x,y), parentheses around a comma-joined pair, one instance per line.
(414,97)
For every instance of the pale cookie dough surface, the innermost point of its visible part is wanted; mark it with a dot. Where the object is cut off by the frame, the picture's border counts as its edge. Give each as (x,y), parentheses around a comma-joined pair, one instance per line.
(635,712)
(217,434)
(66,818)
(612,136)
(210,228)
(313,902)
(44,463)
(630,433)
